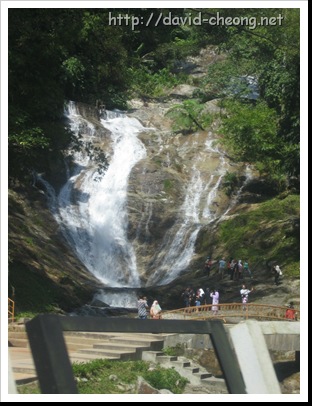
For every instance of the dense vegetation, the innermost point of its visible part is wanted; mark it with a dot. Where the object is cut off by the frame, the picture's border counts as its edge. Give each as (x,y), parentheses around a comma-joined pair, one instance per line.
(119,377)
(89,55)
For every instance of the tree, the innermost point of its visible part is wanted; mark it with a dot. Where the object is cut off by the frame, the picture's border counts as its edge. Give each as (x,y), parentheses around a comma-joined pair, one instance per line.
(270,53)
(188,116)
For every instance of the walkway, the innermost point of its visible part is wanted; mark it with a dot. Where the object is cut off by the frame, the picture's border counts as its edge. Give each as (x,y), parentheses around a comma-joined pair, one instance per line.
(231,313)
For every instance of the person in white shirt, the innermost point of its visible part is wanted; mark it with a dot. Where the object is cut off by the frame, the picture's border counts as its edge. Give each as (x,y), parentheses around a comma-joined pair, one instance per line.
(244,292)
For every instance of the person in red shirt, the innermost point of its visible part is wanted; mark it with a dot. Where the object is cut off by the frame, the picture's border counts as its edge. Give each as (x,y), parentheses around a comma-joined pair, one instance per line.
(290,312)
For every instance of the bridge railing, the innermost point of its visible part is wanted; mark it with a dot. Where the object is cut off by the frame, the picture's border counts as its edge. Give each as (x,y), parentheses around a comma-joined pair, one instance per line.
(230,312)
(11,310)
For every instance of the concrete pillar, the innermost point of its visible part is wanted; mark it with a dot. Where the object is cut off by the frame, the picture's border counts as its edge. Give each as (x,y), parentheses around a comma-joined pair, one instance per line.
(254,359)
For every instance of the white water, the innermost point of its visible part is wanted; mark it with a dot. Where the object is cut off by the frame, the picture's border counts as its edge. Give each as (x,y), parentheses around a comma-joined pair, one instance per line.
(179,245)
(91,208)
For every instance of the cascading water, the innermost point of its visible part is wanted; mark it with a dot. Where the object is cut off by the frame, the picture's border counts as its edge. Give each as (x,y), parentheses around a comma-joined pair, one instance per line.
(180,244)
(91,208)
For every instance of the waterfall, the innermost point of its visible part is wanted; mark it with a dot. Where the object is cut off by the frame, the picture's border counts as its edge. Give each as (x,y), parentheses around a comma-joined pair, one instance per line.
(91,207)
(179,242)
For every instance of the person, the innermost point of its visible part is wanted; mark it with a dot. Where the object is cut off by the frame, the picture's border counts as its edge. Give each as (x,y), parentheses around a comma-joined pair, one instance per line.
(186,296)
(207,267)
(247,269)
(201,294)
(197,300)
(215,301)
(290,312)
(239,269)
(232,268)
(234,274)
(155,310)
(207,296)
(142,307)
(244,292)
(277,273)
(222,264)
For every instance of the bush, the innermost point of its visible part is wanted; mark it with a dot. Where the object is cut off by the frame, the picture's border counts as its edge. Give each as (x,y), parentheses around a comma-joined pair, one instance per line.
(170,379)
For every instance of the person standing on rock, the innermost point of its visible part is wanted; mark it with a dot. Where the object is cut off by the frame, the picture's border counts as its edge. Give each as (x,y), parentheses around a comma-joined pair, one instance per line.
(277,273)
(247,269)
(142,307)
(222,265)
(207,267)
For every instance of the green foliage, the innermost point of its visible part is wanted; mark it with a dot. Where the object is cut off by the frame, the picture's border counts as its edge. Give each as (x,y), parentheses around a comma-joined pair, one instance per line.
(93,377)
(167,184)
(250,134)
(78,54)
(97,374)
(268,232)
(170,379)
(272,55)
(189,116)
(73,70)
(230,182)
(153,84)
(177,350)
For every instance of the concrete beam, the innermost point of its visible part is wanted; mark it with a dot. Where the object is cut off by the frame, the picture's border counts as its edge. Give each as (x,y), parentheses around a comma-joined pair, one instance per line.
(278,335)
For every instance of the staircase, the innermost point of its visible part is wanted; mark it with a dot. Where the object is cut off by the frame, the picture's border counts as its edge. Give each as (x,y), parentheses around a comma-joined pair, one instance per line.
(197,375)
(82,347)
(87,346)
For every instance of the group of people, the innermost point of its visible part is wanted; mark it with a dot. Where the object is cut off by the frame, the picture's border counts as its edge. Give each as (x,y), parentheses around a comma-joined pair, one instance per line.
(190,297)
(234,268)
(201,297)
(143,309)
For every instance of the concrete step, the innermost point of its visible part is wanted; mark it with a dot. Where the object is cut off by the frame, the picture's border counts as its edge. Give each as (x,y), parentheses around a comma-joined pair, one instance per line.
(123,355)
(78,346)
(196,374)
(192,369)
(82,339)
(82,347)
(165,359)
(82,357)
(22,378)
(121,347)
(30,369)
(115,336)
(202,375)
(18,342)
(17,334)
(181,363)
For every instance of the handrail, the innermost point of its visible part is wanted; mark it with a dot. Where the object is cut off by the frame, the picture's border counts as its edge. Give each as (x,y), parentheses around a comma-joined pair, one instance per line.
(229,312)
(11,310)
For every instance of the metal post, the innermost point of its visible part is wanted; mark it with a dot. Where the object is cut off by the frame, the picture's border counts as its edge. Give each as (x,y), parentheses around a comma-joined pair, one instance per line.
(50,355)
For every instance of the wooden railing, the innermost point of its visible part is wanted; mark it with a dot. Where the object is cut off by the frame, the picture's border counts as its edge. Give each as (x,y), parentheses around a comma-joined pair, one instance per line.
(11,310)
(231,312)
